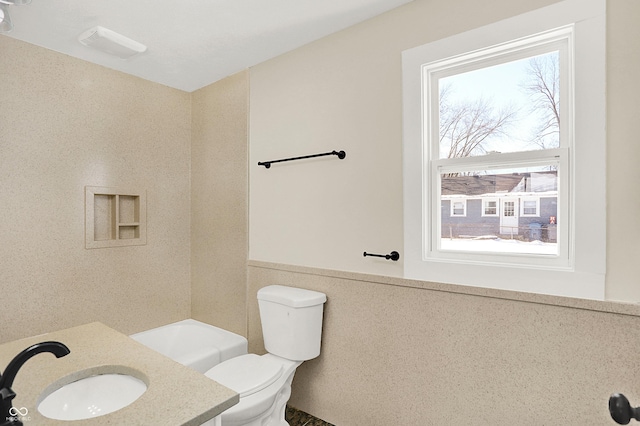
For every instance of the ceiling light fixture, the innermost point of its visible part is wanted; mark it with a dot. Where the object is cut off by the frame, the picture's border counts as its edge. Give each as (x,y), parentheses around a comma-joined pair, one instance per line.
(16,2)
(111,42)
(5,19)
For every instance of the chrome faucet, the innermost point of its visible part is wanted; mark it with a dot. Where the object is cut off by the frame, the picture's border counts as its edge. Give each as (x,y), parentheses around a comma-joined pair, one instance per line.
(8,414)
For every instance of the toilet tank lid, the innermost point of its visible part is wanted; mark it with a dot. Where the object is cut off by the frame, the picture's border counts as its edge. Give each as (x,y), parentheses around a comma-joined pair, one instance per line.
(291,296)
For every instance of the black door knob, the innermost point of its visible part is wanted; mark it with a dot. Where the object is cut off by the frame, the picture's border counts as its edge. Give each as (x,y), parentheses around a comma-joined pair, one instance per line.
(621,411)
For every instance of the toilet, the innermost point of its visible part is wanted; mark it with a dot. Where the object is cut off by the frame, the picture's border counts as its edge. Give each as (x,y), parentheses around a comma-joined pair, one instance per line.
(292,327)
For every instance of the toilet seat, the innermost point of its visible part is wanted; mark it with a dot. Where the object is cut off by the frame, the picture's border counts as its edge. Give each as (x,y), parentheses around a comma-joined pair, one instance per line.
(246,374)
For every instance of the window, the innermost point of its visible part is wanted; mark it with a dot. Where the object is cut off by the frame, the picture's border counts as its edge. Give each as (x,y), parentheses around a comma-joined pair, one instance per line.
(490,207)
(531,207)
(509,208)
(506,115)
(458,207)
(494,118)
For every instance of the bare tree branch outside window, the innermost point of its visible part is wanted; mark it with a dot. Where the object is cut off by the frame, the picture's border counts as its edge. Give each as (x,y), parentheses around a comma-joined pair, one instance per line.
(467,127)
(543,86)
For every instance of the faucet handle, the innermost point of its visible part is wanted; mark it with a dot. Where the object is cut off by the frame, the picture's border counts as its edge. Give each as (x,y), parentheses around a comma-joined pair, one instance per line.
(7,394)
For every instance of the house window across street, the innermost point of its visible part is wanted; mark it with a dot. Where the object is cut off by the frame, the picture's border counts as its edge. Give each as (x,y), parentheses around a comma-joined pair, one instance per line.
(531,207)
(490,208)
(509,208)
(458,208)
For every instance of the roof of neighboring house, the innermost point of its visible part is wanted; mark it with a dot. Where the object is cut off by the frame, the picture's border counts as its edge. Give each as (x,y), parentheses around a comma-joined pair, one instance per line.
(502,183)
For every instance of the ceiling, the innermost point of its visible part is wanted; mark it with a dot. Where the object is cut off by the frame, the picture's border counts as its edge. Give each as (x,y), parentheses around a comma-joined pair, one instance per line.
(190,43)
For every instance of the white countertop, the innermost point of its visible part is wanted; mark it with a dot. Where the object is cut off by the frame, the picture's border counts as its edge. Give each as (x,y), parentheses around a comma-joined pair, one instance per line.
(176,395)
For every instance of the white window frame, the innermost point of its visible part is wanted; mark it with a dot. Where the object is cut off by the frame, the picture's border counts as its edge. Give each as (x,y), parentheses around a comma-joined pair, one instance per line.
(579,269)
(484,207)
(452,211)
(536,200)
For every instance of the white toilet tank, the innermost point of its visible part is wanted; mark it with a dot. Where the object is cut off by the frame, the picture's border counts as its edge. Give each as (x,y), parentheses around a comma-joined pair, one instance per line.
(291,321)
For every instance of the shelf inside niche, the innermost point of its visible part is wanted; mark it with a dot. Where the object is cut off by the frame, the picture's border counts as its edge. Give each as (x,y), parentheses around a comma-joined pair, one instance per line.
(127,232)
(129,209)
(114,217)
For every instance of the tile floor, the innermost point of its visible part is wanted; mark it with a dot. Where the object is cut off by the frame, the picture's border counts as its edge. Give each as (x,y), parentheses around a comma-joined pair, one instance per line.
(296,417)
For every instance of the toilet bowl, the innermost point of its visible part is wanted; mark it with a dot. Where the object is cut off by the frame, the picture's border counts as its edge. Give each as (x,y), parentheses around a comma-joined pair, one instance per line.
(292,327)
(264,385)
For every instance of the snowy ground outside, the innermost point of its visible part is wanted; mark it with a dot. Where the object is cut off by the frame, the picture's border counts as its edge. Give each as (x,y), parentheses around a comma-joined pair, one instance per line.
(498,245)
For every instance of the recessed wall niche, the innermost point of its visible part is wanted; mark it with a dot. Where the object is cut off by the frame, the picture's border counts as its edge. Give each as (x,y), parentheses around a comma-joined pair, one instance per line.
(114,217)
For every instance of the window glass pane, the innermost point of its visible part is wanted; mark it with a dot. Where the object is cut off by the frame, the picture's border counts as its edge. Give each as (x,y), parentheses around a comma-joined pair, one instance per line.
(503,211)
(491,207)
(458,208)
(510,107)
(509,208)
(529,207)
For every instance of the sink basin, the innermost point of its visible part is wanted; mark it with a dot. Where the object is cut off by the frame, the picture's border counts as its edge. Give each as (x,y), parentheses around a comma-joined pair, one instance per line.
(92,396)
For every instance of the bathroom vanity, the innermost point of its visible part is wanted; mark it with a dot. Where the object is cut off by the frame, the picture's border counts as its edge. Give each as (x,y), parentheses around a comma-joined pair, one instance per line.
(175,394)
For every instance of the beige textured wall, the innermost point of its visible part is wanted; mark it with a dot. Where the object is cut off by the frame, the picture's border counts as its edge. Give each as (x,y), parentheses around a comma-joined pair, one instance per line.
(66,124)
(393,354)
(219,203)
(343,92)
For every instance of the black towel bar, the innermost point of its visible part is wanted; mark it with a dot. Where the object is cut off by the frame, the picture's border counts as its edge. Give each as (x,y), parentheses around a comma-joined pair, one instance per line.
(394,255)
(339,154)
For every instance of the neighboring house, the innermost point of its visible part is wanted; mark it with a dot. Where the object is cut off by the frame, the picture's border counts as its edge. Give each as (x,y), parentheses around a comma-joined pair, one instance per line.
(502,205)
